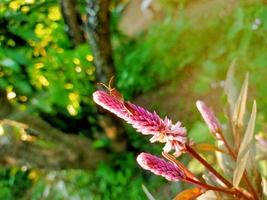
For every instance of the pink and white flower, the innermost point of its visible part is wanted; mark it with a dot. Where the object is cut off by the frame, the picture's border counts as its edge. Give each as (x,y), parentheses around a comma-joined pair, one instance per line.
(160,167)
(210,119)
(145,122)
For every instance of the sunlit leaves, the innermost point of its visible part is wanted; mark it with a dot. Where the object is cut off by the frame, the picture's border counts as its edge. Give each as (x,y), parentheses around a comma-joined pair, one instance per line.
(54,13)
(240,107)
(245,148)
(239,113)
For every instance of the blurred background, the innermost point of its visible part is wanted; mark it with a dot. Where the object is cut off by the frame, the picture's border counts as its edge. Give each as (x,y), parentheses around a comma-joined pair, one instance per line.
(55,143)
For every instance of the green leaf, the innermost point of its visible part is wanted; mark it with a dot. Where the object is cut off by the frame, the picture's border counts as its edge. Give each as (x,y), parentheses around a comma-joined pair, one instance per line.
(245,148)
(237,26)
(148,194)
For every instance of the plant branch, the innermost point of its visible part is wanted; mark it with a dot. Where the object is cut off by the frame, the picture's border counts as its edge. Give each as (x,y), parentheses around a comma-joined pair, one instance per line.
(194,154)
(233,191)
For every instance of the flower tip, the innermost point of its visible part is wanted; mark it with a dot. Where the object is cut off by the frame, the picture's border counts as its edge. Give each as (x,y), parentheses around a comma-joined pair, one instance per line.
(160,167)
(95,96)
(141,160)
(100,98)
(199,104)
(209,117)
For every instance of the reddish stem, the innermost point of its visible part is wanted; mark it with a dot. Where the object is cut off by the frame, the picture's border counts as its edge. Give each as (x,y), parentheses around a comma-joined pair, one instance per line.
(194,154)
(232,192)
(209,187)
(236,192)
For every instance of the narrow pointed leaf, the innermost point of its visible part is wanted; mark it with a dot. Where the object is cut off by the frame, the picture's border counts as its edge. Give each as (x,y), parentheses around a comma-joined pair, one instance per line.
(225,161)
(239,114)
(240,106)
(148,194)
(229,87)
(189,194)
(245,148)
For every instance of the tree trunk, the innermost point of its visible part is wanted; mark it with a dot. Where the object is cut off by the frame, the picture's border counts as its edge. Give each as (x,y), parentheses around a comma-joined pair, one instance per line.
(73,21)
(27,140)
(99,38)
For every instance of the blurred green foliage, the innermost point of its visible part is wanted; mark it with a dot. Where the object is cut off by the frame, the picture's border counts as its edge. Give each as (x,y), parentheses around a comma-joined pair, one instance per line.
(42,73)
(13,183)
(39,69)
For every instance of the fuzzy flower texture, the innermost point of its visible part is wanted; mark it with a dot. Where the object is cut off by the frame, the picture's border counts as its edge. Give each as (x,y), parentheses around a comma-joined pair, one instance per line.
(145,122)
(161,167)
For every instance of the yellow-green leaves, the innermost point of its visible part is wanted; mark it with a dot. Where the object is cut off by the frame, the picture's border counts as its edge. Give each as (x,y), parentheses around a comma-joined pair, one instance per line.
(245,148)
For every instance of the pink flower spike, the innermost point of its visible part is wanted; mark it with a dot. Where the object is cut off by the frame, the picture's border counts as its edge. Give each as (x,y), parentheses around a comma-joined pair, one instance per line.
(160,167)
(148,123)
(111,104)
(209,118)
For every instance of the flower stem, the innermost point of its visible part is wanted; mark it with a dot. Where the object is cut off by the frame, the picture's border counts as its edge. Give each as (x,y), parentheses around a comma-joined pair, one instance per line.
(194,154)
(210,187)
(233,192)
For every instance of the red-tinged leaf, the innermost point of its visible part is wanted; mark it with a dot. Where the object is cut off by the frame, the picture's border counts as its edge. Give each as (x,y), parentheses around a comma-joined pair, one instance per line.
(204,147)
(189,194)
(172,159)
(245,148)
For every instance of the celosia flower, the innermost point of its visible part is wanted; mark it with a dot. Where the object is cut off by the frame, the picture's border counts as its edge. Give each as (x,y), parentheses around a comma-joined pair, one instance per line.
(160,167)
(146,122)
(209,118)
